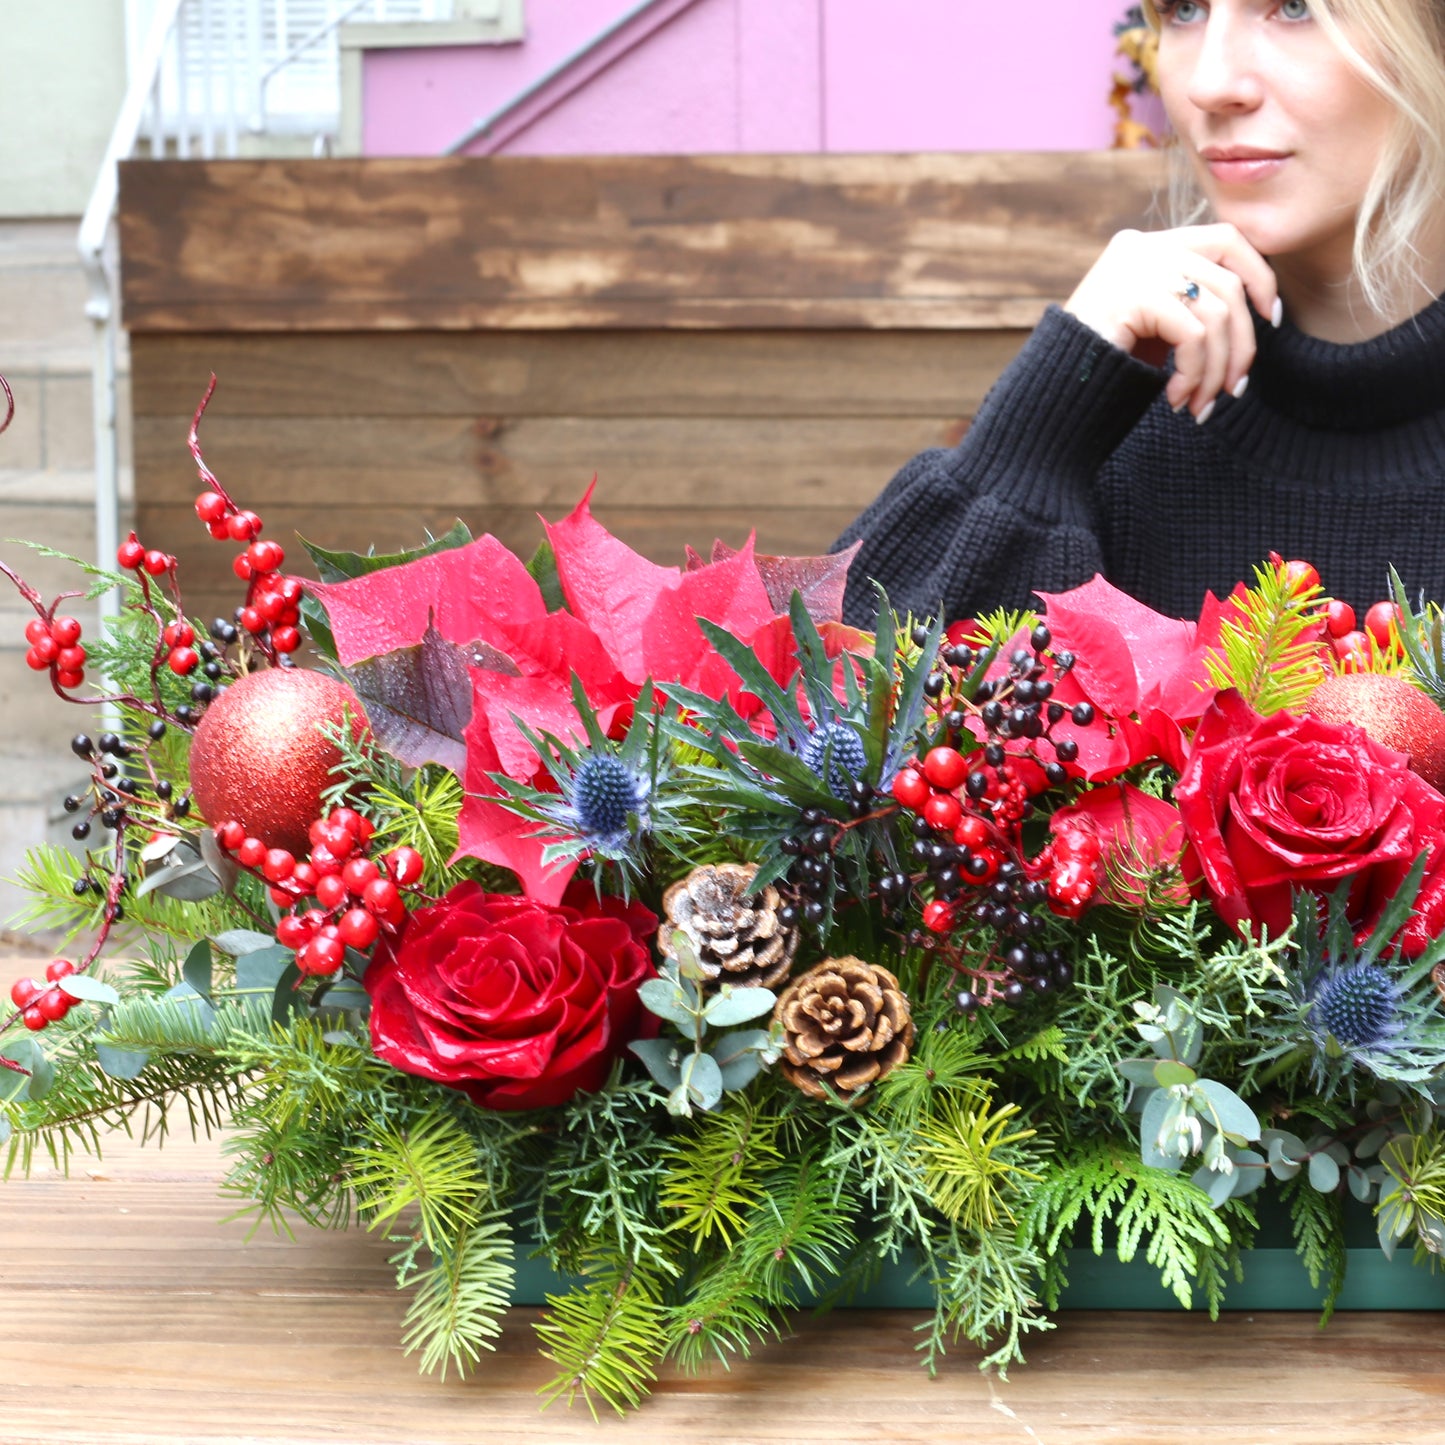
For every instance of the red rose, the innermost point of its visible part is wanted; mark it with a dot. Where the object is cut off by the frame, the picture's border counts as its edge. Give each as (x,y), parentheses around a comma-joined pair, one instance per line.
(1281,803)
(517,1003)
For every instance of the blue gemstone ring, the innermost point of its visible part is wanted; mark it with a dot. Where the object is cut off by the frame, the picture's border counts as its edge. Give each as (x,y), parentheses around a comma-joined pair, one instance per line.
(1189,292)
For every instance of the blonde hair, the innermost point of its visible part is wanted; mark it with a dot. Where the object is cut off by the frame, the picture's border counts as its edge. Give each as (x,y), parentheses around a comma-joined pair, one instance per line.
(1406,39)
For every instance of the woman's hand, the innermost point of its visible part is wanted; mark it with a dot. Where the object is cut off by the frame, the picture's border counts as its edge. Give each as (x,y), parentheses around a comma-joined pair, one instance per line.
(1138,295)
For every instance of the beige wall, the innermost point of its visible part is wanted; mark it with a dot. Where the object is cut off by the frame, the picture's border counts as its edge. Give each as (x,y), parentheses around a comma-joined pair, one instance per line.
(62,79)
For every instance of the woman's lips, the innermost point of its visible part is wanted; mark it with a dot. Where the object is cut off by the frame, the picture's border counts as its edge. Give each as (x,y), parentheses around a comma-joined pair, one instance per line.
(1246,169)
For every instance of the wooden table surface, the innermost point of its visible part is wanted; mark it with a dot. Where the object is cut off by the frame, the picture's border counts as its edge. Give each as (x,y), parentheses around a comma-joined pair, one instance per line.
(132,1314)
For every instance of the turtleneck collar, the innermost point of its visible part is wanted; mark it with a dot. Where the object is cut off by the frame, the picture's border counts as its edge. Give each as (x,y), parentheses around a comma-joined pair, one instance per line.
(1346,412)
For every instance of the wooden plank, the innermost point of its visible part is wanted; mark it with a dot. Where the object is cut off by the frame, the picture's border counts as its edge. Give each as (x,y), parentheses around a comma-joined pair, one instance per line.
(930,241)
(678,464)
(639,374)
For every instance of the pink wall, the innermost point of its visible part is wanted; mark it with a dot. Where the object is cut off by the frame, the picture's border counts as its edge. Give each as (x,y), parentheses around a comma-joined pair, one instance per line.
(696,76)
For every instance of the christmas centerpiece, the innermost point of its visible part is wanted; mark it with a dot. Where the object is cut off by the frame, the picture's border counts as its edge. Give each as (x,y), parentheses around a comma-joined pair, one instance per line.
(651,923)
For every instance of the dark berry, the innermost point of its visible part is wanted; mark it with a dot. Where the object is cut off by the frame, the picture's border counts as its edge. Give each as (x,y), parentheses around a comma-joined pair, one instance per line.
(157,730)
(1083,714)
(1067,750)
(71,804)
(81,745)
(965,1001)
(813,911)
(934,684)
(1014,992)
(1041,638)
(108,743)
(202,691)
(81,830)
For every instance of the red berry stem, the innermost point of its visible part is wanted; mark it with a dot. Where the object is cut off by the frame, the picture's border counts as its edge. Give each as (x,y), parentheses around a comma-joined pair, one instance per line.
(9,404)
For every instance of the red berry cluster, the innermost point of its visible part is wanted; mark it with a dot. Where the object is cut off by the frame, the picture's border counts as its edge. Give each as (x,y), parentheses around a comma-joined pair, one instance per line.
(1073,868)
(969,805)
(55,645)
(1353,647)
(356,895)
(133,556)
(40,1005)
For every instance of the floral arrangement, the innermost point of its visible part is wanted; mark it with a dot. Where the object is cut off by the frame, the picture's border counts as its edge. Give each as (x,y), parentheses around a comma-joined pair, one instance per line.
(651,921)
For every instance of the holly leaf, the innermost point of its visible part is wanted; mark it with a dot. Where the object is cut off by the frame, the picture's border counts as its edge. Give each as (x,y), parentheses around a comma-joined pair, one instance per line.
(341,566)
(418,700)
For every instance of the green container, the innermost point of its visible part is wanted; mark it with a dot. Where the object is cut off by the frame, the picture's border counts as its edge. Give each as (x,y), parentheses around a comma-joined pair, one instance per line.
(1274,1278)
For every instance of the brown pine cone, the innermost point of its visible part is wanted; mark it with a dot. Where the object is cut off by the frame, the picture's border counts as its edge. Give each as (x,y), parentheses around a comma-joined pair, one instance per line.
(739,940)
(844,1021)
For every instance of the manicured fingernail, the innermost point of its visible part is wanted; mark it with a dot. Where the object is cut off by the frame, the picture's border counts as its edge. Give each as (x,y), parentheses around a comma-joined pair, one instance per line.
(1180,405)
(1276,316)
(1205,414)
(1241,386)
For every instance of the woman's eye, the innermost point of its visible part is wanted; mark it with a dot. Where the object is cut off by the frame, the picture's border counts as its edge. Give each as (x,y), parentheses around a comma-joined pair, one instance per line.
(1295,10)
(1180,12)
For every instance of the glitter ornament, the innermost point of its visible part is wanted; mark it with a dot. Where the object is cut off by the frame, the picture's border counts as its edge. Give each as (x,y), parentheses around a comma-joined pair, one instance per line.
(259,756)
(1392,712)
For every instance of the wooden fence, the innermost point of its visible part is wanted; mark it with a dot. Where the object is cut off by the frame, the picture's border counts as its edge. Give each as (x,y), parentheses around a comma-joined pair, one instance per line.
(727,342)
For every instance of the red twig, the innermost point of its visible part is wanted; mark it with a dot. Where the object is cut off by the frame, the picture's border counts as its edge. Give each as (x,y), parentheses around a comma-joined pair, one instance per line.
(9,404)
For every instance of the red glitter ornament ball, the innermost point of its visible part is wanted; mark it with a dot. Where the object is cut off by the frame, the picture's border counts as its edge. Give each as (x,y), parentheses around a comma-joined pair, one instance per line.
(1390,710)
(259,756)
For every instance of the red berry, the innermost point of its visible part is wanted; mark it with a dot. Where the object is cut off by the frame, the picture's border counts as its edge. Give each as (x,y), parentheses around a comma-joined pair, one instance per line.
(66,631)
(252,853)
(1353,651)
(211,507)
(285,639)
(347,818)
(70,659)
(381,898)
(178,634)
(910,787)
(972,832)
(365,831)
(35,629)
(219,531)
(325,862)
(38,661)
(1339,618)
(58,969)
(69,679)
(156,563)
(33,1019)
(291,590)
(358,872)
(945,768)
(292,932)
(130,554)
(183,660)
(943,811)
(24,992)
(283,896)
(331,892)
(358,928)
(54,1003)
(270,606)
(230,835)
(304,876)
(266,556)
(321,955)
(241,566)
(278,866)
(1382,622)
(252,620)
(1299,577)
(938,916)
(405,866)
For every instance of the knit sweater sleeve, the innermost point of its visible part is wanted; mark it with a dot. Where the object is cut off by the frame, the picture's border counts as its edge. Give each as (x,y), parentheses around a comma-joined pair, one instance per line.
(1010,509)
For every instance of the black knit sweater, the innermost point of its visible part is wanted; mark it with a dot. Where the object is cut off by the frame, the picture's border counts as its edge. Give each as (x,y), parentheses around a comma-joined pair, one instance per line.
(1076,465)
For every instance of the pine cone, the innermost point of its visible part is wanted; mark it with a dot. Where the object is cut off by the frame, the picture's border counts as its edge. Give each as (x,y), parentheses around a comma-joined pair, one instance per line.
(738,939)
(845,1021)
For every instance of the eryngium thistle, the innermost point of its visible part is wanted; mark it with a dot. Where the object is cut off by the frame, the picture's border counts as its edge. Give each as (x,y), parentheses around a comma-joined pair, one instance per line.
(1358,1006)
(605,793)
(847,760)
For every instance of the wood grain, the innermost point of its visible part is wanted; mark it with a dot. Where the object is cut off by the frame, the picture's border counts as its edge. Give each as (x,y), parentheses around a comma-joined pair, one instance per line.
(931,241)
(560,374)
(132,1314)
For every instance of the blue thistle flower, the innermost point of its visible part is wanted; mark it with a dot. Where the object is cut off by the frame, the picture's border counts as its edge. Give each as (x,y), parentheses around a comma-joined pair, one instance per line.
(1358,1006)
(848,759)
(605,792)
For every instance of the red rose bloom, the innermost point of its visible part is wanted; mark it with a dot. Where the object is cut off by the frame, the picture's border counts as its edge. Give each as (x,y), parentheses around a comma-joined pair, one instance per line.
(1281,803)
(517,1003)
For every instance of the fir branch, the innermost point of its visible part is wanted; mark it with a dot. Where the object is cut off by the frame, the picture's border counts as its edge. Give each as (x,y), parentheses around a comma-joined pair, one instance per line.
(604,1336)
(429,1166)
(458,1303)
(715,1172)
(1266,650)
(971,1162)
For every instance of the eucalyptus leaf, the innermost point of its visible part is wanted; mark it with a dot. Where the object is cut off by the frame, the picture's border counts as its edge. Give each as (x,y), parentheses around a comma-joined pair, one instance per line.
(1361,1185)
(1249,1171)
(196,970)
(238,941)
(121,1063)
(286,998)
(5,1130)
(1284,1169)
(662,1059)
(1283,1146)
(92,990)
(1372,1143)
(1232,1116)
(1324,1173)
(666,1001)
(703,1080)
(342,993)
(186,882)
(1160,1113)
(184,994)
(1138,1071)
(739,1056)
(1168,1072)
(1218,1186)
(19,1050)
(258,972)
(738,1005)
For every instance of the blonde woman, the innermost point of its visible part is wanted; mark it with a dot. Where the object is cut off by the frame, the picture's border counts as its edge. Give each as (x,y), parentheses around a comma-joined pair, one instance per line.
(1270,377)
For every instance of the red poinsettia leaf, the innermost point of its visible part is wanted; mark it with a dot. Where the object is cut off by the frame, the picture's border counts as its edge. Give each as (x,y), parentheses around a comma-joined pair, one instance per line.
(480,591)
(730,594)
(608,585)
(418,700)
